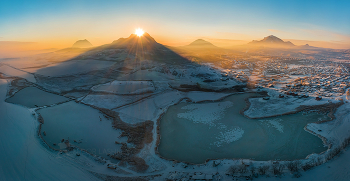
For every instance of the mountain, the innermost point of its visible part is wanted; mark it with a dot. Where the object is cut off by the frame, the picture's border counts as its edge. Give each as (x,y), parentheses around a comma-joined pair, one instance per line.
(145,38)
(307,46)
(135,43)
(201,44)
(82,44)
(135,49)
(273,42)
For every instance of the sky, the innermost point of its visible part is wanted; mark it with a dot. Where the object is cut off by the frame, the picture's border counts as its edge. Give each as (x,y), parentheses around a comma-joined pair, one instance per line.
(59,23)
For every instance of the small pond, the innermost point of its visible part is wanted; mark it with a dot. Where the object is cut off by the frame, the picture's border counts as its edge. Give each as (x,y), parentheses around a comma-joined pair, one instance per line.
(83,126)
(34,97)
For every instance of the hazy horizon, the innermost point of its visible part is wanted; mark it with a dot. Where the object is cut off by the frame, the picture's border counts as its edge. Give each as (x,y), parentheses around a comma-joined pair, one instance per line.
(60,24)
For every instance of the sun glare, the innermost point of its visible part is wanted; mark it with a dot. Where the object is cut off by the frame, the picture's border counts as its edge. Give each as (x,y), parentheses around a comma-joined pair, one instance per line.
(139,32)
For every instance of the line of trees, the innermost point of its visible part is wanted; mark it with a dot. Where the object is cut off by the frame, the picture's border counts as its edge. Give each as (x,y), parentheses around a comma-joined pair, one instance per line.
(294,167)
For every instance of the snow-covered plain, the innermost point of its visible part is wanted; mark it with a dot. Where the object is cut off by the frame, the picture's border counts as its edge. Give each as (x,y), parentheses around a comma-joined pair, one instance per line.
(125,87)
(21,127)
(110,101)
(23,156)
(72,67)
(278,106)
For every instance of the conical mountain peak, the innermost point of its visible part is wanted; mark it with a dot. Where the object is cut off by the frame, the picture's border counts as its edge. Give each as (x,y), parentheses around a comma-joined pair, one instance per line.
(82,44)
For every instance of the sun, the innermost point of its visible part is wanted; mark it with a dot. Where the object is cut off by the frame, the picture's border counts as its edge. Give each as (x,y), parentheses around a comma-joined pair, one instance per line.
(139,32)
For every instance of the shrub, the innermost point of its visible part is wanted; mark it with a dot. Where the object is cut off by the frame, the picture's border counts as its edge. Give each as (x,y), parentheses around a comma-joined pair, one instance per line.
(294,166)
(262,169)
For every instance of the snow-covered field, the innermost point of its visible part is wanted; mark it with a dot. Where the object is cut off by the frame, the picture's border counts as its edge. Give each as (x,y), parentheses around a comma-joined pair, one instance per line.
(125,87)
(18,132)
(72,67)
(111,101)
(335,131)
(149,109)
(23,156)
(278,106)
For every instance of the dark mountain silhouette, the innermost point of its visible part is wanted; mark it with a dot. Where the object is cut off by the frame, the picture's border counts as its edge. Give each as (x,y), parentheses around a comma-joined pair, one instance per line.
(82,44)
(136,48)
(134,43)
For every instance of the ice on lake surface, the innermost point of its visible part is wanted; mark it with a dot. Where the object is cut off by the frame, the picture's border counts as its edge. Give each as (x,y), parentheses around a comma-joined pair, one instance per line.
(195,132)
(32,97)
(87,126)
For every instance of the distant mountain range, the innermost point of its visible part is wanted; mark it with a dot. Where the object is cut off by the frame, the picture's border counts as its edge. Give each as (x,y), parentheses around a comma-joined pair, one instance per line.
(148,43)
(141,48)
(272,41)
(268,42)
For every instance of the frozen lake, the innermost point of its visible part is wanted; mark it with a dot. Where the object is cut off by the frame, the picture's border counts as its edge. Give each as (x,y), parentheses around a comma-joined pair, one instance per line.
(84,126)
(195,132)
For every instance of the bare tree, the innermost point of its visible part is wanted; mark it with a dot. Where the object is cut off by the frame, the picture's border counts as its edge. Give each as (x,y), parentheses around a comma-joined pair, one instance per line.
(232,170)
(242,168)
(281,167)
(277,168)
(262,169)
(252,169)
(294,166)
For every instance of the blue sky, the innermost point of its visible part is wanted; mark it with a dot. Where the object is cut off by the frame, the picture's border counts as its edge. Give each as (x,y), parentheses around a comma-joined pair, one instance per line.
(174,21)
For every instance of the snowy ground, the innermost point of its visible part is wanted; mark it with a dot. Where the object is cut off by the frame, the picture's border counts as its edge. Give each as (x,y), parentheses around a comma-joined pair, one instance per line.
(111,101)
(277,106)
(125,87)
(71,67)
(335,131)
(23,156)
